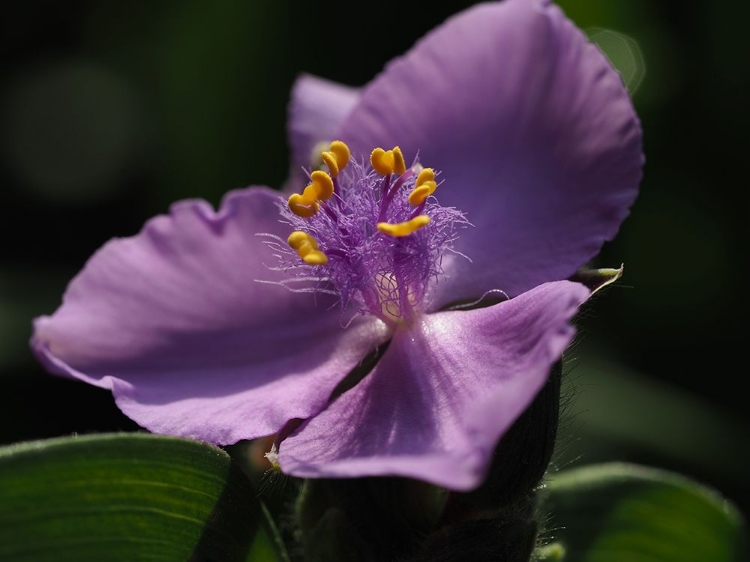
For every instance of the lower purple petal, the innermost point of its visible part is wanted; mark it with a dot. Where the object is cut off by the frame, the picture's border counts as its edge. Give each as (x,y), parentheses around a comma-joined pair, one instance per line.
(443,394)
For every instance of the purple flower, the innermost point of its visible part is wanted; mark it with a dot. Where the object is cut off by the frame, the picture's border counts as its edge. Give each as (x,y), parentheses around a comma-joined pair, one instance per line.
(225,325)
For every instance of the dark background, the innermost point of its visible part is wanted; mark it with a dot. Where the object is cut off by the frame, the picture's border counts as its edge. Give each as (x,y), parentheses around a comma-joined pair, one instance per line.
(109,111)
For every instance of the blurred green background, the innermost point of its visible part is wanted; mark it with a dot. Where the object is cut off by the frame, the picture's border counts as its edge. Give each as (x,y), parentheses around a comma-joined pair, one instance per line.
(112,110)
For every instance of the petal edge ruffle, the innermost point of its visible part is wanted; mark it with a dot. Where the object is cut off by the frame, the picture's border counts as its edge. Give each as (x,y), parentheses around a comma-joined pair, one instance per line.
(174,322)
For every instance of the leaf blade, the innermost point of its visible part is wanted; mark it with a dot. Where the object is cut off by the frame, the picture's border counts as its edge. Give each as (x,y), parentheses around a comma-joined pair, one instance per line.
(125,497)
(622,512)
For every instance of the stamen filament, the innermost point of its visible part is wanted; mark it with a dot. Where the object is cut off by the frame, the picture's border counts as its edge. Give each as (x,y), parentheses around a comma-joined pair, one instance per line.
(392,193)
(385,190)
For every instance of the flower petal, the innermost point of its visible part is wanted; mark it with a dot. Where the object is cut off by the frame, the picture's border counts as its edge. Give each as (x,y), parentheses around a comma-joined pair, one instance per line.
(533,130)
(316,110)
(443,394)
(174,322)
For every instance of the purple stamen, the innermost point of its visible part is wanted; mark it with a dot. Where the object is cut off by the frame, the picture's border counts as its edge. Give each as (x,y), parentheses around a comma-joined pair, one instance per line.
(385,276)
(392,192)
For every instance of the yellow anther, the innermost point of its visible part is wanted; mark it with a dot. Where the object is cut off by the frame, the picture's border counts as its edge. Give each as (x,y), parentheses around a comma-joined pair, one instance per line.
(315,257)
(423,187)
(309,195)
(427,174)
(301,207)
(307,248)
(337,157)
(420,194)
(399,166)
(320,189)
(329,159)
(342,152)
(379,163)
(386,162)
(297,238)
(322,183)
(403,228)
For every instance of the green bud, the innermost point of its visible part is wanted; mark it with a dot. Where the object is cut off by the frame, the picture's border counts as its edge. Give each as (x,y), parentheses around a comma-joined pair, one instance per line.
(382,518)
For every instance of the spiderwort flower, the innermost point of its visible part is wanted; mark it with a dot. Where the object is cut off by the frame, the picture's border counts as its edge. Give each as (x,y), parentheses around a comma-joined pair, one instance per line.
(525,156)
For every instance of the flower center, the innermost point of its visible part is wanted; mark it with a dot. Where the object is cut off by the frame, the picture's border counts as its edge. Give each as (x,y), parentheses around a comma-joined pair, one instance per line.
(372,233)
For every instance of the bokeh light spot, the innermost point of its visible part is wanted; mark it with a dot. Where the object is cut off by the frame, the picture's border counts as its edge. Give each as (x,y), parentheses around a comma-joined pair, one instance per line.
(624,54)
(71,128)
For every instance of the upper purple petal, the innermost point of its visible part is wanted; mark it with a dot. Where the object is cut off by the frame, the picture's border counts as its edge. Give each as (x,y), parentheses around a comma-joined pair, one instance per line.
(533,130)
(443,394)
(316,110)
(174,321)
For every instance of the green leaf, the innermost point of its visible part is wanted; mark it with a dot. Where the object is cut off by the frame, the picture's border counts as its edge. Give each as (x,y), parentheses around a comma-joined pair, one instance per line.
(628,513)
(626,415)
(129,497)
